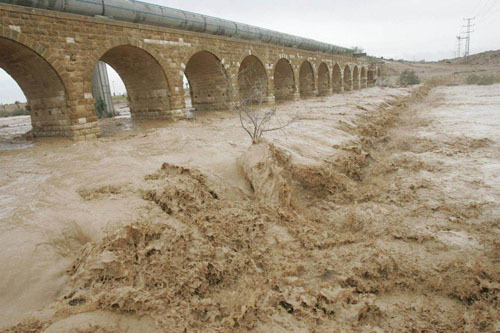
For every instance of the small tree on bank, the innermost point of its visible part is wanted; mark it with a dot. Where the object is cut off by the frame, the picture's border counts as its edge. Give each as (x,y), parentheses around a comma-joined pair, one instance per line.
(409,78)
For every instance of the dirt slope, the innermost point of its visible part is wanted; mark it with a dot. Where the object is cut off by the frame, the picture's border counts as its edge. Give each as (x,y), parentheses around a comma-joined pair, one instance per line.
(489,58)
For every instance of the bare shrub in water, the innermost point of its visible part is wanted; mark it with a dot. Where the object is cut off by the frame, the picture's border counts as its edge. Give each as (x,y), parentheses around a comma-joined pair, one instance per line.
(257,118)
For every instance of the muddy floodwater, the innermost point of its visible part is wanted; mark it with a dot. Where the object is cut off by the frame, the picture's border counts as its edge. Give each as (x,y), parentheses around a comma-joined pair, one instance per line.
(12,130)
(377,210)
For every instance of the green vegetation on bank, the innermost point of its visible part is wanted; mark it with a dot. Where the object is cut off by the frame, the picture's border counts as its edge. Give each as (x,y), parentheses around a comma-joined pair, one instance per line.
(482,80)
(100,108)
(409,78)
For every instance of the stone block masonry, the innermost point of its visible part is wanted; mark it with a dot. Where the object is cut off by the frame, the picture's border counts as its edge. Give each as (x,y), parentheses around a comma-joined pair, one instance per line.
(52,56)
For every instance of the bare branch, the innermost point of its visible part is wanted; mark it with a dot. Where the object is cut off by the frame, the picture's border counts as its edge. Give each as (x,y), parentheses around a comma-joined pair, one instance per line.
(255,117)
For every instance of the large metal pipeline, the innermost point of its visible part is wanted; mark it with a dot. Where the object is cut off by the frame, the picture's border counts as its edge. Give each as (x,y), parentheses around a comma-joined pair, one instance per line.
(144,13)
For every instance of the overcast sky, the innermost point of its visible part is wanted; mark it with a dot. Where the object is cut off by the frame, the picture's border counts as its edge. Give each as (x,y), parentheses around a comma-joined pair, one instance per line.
(400,29)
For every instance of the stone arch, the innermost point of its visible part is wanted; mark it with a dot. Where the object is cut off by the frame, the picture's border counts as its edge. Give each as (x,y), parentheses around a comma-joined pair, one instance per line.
(347,78)
(43,87)
(208,81)
(252,52)
(355,78)
(284,80)
(306,79)
(252,80)
(148,89)
(364,78)
(324,85)
(205,48)
(99,52)
(46,53)
(337,78)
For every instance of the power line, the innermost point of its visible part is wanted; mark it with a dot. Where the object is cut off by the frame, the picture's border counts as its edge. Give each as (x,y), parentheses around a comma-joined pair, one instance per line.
(487,9)
(485,12)
(479,7)
(492,14)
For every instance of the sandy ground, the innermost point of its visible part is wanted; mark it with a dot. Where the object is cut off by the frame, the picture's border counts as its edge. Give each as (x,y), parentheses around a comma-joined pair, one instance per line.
(377,210)
(444,73)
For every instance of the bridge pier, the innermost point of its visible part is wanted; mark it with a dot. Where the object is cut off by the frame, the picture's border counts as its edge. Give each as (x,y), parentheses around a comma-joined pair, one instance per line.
(83,120)
(177,99)
(270,99)
(50,116)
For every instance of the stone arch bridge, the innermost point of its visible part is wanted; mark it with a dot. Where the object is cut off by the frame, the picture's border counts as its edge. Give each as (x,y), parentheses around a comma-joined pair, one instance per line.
(52,56)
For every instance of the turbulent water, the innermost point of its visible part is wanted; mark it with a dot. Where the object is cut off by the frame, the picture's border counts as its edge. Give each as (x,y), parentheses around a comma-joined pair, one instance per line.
(373,211)
(14,127)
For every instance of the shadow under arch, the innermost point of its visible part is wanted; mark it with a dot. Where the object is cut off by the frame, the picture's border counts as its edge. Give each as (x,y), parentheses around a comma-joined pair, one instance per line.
(306,79)
(284,81)
(337,79)
(371,77)
(41,84)
(347,78)
(252,80)
(364,78)
(355,78)
(324,86)
(148,89)
(208,81)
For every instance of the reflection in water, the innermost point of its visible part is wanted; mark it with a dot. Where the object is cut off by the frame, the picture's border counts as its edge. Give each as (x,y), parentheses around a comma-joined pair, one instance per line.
(121,122)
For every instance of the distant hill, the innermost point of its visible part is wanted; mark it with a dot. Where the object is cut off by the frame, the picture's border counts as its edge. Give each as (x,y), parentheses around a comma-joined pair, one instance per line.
(485,58)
